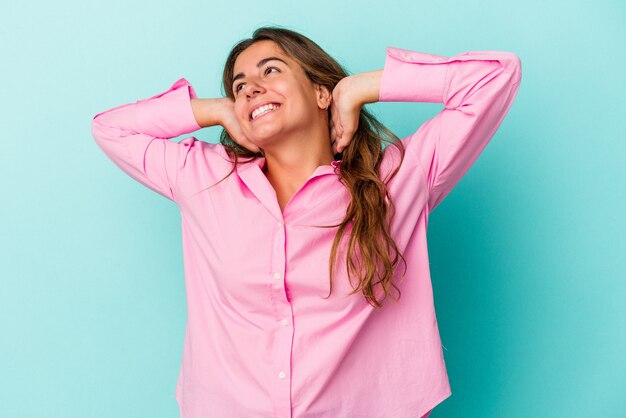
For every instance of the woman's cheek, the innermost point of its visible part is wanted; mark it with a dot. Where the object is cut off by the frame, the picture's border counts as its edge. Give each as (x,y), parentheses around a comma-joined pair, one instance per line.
(242,118)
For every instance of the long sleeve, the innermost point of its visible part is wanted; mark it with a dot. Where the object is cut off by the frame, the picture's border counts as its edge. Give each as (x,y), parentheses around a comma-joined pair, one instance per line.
(136,136)
(476,88)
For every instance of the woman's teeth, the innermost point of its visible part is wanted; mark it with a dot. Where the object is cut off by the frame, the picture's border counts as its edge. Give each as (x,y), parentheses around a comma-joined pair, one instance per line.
(263,110)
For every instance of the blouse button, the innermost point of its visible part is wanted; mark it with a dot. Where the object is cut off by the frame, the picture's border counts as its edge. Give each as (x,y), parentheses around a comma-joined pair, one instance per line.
(277,276)
(284,322)
(281,375)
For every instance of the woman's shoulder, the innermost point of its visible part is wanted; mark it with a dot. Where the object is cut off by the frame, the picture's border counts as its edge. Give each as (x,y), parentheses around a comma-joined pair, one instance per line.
(195,148)
(206,160)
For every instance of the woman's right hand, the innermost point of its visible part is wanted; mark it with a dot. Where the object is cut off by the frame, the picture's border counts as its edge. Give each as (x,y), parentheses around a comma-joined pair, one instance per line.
(211,112)
(349,96)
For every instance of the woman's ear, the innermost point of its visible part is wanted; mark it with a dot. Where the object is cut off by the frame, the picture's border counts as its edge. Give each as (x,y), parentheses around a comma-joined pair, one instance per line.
(323,95)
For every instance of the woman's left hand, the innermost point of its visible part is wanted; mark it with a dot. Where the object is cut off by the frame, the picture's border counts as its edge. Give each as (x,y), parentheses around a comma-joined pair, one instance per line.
(348,97)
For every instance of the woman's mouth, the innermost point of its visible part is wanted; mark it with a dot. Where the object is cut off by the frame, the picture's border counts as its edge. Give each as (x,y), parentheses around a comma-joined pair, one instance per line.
(263,110)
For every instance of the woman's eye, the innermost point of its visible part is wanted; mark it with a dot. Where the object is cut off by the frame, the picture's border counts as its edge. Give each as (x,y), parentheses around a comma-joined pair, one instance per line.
(268,70)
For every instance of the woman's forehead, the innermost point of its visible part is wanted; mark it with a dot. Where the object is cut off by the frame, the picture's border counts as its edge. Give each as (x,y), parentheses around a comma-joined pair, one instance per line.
(251,56)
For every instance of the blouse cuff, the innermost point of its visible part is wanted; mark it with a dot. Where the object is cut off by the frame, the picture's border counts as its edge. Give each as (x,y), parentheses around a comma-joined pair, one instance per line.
(168,114)
(427,79)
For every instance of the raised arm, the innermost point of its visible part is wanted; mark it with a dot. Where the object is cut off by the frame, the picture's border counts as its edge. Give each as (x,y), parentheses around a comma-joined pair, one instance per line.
(477,90)
(136,136)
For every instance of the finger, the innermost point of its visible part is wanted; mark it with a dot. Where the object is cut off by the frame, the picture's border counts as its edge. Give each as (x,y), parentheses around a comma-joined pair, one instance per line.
(336,134)
(344,140)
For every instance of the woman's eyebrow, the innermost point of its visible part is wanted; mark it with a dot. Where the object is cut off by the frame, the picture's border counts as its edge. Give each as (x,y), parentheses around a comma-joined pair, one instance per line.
(259,65)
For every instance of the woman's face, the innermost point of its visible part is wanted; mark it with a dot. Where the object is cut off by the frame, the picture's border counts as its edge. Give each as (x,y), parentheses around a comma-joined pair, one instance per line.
(273,96)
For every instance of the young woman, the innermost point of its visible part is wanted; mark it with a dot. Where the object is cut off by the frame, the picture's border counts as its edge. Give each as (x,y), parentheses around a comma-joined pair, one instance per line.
(298,225)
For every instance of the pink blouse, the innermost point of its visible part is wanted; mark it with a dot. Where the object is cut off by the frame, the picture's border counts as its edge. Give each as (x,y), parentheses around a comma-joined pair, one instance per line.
(261,340)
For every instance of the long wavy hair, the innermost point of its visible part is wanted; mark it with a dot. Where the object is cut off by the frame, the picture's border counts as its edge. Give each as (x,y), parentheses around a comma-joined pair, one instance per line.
(372,254)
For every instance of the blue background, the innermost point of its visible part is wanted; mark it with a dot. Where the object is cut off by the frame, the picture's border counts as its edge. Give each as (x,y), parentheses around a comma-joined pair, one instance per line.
(527,252)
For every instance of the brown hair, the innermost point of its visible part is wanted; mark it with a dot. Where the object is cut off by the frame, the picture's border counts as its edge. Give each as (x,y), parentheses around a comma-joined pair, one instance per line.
(372,253)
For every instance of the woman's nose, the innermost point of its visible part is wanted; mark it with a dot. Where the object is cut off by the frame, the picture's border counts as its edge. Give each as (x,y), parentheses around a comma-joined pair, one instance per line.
(253,88)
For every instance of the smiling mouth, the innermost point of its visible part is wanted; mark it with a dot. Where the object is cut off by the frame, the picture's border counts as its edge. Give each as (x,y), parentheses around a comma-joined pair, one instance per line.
(263,110)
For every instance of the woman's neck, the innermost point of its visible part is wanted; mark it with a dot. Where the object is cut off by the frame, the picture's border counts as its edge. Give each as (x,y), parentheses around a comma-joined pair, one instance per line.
(291,164)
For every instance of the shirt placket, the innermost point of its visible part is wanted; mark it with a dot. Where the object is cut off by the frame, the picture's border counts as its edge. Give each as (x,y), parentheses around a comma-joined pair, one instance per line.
(281,376)
(282,349)
(284,327)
